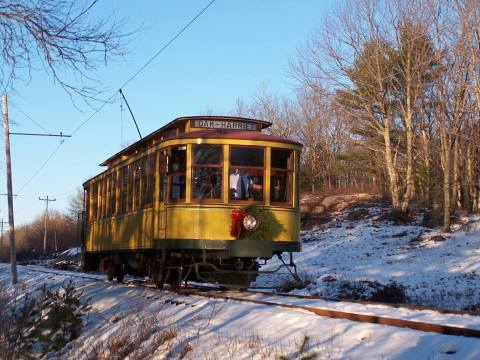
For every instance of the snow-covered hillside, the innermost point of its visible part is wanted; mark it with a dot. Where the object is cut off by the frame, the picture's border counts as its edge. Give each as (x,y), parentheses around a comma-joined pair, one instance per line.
(359,254)
(141,323)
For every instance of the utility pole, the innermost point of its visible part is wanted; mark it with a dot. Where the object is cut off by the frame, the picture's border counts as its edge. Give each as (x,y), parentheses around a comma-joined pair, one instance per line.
(47,200)
(11,225)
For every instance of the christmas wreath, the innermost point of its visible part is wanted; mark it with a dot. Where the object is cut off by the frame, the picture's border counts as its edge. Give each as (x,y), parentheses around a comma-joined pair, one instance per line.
(268,227)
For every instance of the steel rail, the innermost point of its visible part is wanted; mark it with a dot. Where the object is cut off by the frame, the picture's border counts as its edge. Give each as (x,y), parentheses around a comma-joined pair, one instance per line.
(214,293)
(337,314)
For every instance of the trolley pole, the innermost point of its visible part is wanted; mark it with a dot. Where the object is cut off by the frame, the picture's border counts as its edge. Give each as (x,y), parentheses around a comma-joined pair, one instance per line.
(47,200)
(11,225)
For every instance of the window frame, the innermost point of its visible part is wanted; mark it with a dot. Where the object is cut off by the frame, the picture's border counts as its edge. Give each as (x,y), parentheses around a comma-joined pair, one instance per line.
(148,179)
(122,181)
(219,200)
(171,174)
(137,184)
(230,166)
(290,173)
(112,194)
(93,203)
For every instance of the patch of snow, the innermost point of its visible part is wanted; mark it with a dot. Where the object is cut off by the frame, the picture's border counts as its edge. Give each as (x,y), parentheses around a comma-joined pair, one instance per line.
(71,252)
(436,269)
(219,329)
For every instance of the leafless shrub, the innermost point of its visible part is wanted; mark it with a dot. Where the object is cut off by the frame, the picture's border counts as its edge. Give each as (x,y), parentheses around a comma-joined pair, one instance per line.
(290,284)
(303,351)
(185,350)
(138,337)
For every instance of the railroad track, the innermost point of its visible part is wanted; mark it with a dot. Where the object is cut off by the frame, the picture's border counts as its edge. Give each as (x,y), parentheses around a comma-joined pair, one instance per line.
(315,304)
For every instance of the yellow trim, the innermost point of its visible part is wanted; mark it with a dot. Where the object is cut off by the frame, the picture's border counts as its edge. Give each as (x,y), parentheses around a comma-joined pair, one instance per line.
(266,181)
(188,175)
(295,179)
(117,191)
(226,172)
(156,194)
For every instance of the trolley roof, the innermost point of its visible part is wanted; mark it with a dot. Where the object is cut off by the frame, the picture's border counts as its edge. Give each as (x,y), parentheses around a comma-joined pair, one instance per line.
(189,127)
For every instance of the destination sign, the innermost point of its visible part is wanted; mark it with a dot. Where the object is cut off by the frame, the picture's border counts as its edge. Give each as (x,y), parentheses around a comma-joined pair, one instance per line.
(227,125)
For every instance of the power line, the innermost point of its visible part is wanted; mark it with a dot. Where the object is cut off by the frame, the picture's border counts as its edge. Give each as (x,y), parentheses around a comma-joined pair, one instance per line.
(168,43)
(34,134)
(162,49)
(40,168)
(97,110)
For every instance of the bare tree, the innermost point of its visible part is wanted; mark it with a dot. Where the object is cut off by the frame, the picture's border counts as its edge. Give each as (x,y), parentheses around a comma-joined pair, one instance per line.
(62,36)
(76,205)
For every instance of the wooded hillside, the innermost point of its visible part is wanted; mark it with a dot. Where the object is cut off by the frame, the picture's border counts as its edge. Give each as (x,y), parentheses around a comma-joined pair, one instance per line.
(388,98)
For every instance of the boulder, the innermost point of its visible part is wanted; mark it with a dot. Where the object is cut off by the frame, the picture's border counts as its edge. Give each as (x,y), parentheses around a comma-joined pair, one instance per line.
(318,209)
(331,200)
(328,278)
(342,205)
(304,209)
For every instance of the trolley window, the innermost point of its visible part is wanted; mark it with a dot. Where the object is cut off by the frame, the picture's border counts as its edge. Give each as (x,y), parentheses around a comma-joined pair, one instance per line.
(281,176)
(163,178)
(207,172)
(112,197)
(93,202)
(247,168)
(103,197)
(149,180)
(138,169)
(123,187)
(177,169)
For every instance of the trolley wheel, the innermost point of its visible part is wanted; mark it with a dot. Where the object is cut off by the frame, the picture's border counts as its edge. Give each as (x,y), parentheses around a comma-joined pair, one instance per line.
(158,273)
(174,278)
(120,273)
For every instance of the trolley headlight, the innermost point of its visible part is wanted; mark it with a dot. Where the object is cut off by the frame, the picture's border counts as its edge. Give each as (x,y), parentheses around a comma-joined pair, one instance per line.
(250,222)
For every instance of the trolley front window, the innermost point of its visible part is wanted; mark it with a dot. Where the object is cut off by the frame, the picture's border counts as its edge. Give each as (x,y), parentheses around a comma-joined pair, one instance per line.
(178,179)
(207,172)
(281,176)
(247,168)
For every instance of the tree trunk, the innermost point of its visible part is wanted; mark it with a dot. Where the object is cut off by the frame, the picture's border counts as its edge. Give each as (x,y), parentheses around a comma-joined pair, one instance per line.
(445,157)
(456,191)
(409,192)
(392,172)
(470,193)
(427,164)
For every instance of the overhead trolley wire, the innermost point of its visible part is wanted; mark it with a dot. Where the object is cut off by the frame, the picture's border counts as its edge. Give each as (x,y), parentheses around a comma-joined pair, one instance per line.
(162,49)
(97,110)
(40,168)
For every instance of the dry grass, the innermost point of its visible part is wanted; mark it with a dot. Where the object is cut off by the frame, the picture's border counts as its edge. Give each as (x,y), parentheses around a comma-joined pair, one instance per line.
(137,338)
(185,350)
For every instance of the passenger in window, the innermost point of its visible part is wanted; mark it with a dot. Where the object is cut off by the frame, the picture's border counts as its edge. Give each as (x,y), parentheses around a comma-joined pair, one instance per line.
(245,187)
(235,185)
(276,190)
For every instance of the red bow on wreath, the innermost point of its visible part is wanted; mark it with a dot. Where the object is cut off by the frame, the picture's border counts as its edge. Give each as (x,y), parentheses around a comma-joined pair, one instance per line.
(237,218)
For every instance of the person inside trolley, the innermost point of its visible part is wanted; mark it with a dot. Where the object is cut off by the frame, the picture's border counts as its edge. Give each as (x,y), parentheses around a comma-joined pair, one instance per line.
(245,187)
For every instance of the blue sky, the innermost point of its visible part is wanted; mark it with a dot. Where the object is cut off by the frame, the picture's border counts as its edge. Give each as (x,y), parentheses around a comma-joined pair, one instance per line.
(228,53)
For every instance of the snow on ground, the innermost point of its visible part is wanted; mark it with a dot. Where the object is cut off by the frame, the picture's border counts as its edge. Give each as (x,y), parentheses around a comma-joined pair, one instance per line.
(347,255)
(75,251)
(168,325)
